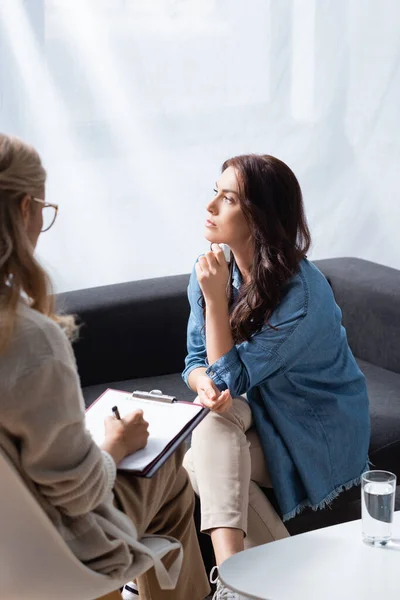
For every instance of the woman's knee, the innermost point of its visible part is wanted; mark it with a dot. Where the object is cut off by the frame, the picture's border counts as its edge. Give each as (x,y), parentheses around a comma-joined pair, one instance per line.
(237,418)
(189,468)
(186,496)
(188,462)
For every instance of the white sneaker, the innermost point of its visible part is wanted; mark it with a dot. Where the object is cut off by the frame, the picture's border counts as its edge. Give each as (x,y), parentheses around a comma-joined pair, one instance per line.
(130,591)
(223,593)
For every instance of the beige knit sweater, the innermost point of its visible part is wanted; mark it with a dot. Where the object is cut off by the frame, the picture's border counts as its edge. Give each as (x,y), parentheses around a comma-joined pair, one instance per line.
(42,429)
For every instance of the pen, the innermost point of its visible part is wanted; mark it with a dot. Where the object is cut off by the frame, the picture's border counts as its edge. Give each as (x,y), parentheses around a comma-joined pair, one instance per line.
(115,412)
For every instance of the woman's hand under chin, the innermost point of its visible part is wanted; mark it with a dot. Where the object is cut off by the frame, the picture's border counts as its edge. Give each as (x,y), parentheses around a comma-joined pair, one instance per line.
(212,272)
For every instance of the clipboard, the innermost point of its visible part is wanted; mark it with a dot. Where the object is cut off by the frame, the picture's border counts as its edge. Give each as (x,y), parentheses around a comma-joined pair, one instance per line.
(168,418)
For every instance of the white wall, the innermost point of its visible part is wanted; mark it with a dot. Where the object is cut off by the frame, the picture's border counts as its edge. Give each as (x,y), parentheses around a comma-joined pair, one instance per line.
(134,105)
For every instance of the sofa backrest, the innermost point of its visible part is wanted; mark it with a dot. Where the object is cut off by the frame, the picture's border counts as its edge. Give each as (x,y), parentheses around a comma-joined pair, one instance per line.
(130,330)
(138,329)
(369,296)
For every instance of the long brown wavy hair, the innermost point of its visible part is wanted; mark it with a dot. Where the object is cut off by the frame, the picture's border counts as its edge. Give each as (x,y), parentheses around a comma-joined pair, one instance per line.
(21,275)
(272,202)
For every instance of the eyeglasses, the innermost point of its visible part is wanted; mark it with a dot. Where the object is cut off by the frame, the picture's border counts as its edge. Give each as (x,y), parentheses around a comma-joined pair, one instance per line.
(49,213)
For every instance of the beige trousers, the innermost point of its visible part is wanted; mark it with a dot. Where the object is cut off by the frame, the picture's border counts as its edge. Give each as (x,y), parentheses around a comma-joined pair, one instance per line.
(226,466)
(164,505)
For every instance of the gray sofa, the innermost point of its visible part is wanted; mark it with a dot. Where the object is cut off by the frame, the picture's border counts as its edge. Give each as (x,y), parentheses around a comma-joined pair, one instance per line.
(133,336)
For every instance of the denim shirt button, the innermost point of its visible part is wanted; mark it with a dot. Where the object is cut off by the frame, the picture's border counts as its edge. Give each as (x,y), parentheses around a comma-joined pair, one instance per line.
(212,373)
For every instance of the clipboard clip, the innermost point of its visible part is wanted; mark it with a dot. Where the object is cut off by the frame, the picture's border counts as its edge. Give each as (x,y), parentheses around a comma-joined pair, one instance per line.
(154,395)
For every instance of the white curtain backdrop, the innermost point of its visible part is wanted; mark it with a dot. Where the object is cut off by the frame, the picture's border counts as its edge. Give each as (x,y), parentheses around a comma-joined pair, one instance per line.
(134,105)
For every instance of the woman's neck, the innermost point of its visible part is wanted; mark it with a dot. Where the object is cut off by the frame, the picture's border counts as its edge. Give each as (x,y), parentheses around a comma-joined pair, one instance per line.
(244,260)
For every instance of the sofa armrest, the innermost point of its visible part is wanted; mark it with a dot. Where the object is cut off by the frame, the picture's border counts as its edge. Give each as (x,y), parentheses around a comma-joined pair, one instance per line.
(369,297)
(129,330)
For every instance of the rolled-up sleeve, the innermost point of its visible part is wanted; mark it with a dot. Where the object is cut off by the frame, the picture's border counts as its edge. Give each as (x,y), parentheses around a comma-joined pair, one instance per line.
(196,349)
(197,355)
(244,367)
(251,363)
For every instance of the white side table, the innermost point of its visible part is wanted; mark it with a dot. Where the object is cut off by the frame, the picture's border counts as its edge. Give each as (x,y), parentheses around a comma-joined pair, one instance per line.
(326,564)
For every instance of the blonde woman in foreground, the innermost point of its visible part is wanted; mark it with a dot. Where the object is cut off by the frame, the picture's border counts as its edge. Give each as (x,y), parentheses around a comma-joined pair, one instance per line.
(100,514)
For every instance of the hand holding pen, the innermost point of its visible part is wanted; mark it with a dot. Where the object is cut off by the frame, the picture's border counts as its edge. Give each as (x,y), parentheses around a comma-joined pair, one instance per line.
(126,435)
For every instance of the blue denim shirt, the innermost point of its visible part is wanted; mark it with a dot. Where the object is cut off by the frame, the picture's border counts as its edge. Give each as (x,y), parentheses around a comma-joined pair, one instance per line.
(306,392)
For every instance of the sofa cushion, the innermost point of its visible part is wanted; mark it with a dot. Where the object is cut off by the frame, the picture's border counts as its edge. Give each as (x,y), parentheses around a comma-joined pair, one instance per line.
(172,385)
(384,397)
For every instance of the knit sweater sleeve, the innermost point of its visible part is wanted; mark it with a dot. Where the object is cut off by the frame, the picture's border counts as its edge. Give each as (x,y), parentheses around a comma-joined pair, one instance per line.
(45,416)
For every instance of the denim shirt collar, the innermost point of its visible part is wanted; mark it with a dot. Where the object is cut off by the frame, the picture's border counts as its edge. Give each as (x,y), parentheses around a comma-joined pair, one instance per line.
(237,279)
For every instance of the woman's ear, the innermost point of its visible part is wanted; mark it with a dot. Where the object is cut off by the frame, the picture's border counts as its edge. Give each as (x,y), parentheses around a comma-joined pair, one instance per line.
(25,207)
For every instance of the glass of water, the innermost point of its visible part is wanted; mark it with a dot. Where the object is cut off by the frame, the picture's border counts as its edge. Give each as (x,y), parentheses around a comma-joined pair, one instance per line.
(378,490)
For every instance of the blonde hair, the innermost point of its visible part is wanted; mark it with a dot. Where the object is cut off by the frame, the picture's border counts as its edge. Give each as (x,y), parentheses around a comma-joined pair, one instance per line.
(21,174)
